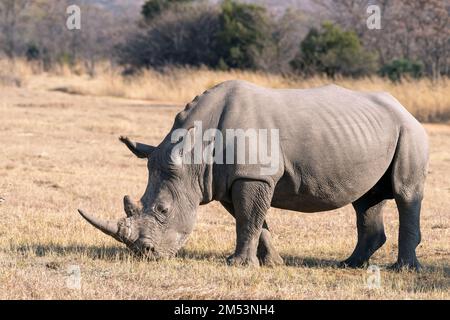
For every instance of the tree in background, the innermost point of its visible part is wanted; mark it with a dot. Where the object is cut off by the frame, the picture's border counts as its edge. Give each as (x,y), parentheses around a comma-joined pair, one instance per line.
(416,30)
(37,30)
(152,8)
(288,31)
(233,35)
(178,36)
(12,23)
(333,51)
(229,34)
(244,34)
(431,25)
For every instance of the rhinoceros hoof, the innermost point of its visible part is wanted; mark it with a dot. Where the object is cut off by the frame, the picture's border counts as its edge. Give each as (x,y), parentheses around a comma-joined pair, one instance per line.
(271,260)
(353,263)
(242,261)
(413,265)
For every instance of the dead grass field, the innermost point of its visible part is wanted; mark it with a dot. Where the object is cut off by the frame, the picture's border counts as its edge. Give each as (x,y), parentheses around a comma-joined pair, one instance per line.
(428,101)
(60,152)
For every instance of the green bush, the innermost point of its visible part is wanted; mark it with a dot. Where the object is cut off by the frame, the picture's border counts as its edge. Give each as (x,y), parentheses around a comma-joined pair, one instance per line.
(152,8)
(333,51)
(243,35)
(32,52)
(399,68)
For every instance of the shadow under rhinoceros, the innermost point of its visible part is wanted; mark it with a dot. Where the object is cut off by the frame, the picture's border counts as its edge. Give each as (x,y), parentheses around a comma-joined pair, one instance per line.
(93,252)
(212,256)
(121,253)
(309,262)
(289,260)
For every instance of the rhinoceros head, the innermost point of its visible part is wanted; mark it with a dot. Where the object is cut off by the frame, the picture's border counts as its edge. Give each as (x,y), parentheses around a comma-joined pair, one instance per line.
(158,225)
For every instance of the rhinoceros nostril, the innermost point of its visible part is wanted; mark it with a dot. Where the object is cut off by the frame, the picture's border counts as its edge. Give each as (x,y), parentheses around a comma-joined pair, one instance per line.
(148,249)
(161,209)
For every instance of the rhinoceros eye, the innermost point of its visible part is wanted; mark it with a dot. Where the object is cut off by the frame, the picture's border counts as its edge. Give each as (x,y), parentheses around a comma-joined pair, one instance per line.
(161,213)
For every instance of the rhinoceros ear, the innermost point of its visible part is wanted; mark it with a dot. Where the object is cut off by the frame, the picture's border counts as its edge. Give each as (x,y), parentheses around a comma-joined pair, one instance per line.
(139,149)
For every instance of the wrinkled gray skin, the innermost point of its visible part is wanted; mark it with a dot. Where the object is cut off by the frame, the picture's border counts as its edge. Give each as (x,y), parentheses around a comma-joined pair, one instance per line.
(337,147)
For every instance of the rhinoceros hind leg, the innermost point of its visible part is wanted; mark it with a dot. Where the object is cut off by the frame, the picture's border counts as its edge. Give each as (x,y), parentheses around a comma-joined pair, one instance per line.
(371,236)
(409,235)
(266,252)
(408,178)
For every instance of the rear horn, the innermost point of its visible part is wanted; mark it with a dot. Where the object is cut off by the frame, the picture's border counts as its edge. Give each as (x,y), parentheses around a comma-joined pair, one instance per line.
(139,149)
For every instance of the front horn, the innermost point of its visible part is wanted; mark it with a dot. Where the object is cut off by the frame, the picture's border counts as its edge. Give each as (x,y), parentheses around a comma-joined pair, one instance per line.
(109,227)
(139,149)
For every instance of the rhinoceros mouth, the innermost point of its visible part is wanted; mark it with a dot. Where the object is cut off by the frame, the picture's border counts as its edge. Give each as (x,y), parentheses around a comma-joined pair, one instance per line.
(146,252)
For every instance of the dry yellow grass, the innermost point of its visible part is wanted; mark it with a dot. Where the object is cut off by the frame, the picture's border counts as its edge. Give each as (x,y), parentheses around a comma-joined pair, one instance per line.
(428,101)
(60,152)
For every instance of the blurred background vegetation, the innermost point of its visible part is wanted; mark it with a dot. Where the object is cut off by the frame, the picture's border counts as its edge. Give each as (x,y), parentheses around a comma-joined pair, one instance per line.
(172,50)
(283,37)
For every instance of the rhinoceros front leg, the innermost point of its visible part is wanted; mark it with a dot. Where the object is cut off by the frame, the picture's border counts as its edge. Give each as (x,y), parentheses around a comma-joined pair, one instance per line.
(266,252)
(251,200)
